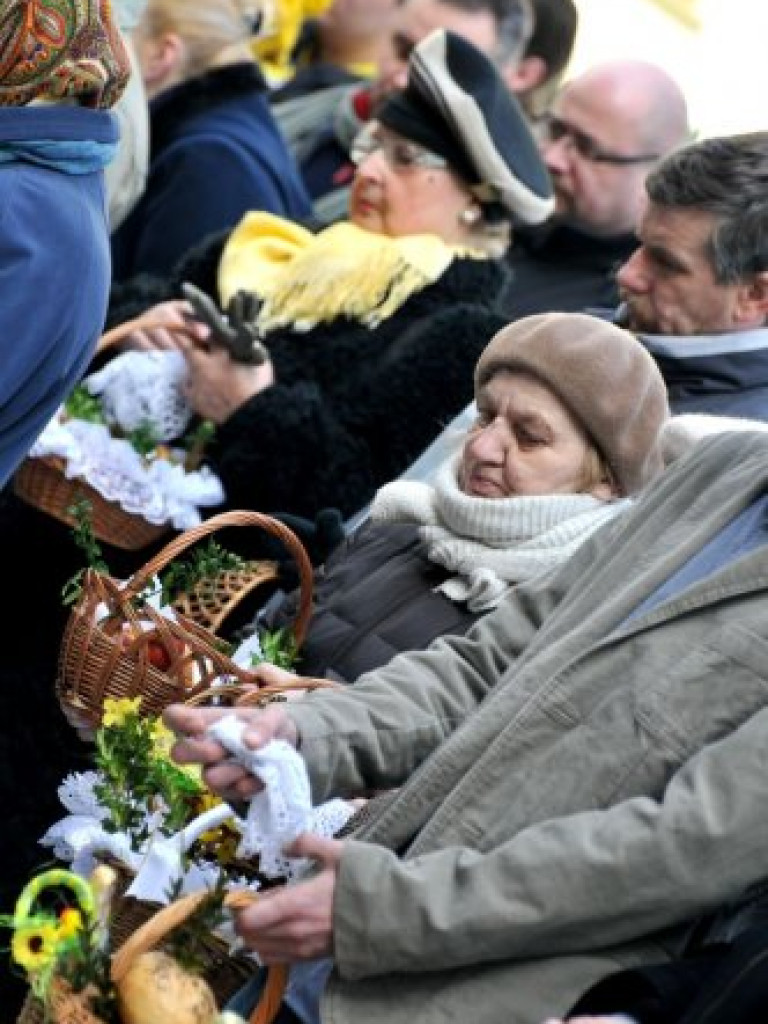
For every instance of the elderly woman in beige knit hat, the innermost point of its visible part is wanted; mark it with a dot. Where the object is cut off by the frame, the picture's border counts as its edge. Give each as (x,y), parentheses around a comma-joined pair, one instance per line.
(570,410)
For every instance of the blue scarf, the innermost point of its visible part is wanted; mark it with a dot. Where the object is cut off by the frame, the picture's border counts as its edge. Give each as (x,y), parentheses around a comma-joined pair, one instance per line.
(68,157)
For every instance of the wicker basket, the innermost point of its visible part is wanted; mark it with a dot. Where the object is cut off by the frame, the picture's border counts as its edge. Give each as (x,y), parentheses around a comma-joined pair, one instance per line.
(41,482)
(68,1007)
(211,601)
(114,656)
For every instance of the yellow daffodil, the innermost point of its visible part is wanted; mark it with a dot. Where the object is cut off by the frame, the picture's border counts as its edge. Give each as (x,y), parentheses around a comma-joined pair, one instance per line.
(117,710)
(206,802)
(35,945)
(162,738)
(70,923)
(162,741)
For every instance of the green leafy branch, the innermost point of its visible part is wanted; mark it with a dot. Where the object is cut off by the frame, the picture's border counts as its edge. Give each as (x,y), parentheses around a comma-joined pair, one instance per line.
(137,780)
(187,945)
(278,647)
(82,405)
(85,538)
(143,439)
(204,563)
(195,443)
(89,965)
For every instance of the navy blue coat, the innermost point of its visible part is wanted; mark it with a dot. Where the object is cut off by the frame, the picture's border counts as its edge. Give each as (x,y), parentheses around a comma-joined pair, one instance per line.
(722,374)
(54,268)
(216,153)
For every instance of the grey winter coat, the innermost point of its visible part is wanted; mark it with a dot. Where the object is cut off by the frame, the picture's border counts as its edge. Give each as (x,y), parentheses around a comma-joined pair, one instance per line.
(574,788)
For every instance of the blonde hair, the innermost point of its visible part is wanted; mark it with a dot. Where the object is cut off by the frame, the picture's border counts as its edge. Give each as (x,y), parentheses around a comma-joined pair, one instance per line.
(595,470)
(206,26)
(491,237)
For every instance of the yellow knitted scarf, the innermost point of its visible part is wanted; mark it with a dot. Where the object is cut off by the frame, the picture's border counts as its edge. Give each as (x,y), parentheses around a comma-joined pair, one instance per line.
(305,279)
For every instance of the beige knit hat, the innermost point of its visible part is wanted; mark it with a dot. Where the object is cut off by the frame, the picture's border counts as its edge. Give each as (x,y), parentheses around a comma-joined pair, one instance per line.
(602,374)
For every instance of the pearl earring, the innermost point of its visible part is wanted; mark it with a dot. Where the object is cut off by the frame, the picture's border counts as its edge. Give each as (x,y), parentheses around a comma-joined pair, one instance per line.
(469,216)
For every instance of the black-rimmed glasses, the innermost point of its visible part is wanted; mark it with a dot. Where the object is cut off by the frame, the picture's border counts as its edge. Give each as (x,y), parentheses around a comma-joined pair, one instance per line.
(555,129)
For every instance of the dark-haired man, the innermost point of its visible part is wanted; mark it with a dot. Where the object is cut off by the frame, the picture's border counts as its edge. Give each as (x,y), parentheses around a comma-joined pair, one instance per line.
(696,290)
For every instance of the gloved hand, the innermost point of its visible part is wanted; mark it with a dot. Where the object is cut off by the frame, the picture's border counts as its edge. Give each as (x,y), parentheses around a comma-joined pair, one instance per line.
(235,329)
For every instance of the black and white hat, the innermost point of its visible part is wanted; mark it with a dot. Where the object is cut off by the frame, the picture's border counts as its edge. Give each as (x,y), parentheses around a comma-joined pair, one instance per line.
(456,104)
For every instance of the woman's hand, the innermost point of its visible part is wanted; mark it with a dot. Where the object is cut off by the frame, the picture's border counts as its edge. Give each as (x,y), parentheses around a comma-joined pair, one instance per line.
(193,746)
(167,326)
(216,385)
(296,922)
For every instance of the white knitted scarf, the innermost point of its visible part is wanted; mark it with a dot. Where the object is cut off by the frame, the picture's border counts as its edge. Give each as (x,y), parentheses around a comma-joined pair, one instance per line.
(491,543)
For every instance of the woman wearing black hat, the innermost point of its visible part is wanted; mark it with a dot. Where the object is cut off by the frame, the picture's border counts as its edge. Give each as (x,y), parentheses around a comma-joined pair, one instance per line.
(374,325)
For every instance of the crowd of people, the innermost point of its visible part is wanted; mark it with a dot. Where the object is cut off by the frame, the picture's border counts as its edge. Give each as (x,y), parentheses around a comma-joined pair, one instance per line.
(552,641)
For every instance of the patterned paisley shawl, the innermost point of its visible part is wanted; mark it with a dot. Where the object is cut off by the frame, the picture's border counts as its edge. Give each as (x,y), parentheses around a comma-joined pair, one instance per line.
(60,49)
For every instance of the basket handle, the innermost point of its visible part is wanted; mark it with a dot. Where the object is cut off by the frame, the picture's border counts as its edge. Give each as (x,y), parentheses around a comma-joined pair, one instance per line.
(141,578)
(122,331)
(175,914)
(254,694)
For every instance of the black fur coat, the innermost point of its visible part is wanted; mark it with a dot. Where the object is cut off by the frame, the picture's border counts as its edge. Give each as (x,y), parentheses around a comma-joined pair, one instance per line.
(352,407)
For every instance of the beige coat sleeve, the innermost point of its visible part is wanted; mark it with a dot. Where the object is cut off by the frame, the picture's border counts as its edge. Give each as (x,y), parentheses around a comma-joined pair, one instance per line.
(375,734)
(578,883)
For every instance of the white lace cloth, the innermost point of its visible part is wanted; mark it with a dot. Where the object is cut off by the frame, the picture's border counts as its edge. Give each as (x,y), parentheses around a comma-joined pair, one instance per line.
(280,812)
(158,490)
(136,388)
(275,817)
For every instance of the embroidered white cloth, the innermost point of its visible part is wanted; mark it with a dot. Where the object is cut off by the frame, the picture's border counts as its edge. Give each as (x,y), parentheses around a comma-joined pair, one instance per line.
(275,817)
(163,864)
(137,388)
(159,490)
(81,840)
(280,812)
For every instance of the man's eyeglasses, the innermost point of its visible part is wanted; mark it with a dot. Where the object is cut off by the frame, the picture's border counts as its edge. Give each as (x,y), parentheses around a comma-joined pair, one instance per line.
(400,154)
(555,129)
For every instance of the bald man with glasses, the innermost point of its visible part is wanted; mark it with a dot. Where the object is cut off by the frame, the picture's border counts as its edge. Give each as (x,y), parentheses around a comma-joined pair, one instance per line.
(606,131)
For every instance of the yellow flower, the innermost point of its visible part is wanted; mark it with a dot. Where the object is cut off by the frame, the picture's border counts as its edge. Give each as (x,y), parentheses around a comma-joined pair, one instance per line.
(162,741)
(70,923)
(162,738)
(35,945)
(116,711)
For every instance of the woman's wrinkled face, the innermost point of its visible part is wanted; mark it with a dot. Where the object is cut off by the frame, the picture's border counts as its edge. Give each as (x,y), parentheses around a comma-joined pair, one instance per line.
(524,442)
(398,190)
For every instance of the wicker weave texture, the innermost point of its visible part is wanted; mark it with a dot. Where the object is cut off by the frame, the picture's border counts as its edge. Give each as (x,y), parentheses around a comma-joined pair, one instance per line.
(116,656)
(66,1007)
(212,601)
(41,482)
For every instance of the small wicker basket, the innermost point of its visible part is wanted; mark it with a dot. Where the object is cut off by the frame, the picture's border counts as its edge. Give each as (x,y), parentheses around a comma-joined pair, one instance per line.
(68,1007)
(42,482)
(113,657)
